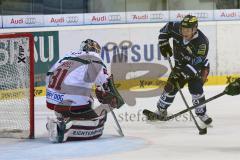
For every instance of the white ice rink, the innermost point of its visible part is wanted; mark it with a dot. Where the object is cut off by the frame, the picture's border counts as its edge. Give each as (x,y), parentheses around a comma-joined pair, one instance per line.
(174,140)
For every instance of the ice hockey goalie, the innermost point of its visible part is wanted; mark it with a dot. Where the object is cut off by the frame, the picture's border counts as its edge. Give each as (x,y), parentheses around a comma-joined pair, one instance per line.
(69,86)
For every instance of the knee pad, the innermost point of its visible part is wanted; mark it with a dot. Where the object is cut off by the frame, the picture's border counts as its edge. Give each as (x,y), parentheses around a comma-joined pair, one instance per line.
(196,99)
(165,100)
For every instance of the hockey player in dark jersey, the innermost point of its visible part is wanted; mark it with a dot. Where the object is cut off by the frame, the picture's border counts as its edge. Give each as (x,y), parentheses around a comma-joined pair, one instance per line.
(190,49)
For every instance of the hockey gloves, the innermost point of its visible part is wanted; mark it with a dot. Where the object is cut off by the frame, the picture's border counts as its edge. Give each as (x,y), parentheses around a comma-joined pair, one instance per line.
(186,72)
(105,97)
(165,49)
(233,88)
(108,94)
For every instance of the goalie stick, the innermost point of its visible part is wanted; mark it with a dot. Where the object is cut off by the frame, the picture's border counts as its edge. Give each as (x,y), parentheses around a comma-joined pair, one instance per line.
(120,132)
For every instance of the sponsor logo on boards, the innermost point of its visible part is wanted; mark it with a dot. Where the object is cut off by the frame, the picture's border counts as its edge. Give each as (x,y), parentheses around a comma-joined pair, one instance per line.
(114,17)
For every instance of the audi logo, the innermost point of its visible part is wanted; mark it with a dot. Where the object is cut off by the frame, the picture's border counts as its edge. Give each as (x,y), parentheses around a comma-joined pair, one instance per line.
(72,19)
(114,17)
(156,16)
(30,20)
(201,15)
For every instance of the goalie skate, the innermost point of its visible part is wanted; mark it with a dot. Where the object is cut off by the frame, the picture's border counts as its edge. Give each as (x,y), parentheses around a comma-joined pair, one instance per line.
(56,130)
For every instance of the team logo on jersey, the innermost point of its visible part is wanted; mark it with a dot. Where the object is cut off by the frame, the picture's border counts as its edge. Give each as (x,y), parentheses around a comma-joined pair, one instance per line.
(202,49)
(197,60)
(54,96)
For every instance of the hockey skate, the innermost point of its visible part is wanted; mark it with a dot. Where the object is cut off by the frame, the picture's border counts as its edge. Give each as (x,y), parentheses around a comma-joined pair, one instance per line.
(56,130)
(162,113)
(205,119)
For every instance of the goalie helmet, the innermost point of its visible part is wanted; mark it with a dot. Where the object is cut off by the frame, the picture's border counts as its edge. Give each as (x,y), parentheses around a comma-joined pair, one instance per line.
(189,21)
(90,45)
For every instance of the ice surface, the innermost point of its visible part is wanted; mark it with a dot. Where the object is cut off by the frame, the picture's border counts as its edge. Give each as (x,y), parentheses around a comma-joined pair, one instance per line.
(177,139)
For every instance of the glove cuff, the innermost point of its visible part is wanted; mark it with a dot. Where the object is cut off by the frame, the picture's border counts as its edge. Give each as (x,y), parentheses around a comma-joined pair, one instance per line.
(190,70)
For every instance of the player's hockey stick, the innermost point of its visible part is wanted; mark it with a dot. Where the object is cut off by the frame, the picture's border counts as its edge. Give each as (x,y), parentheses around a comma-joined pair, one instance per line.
(194,106)
(153,114)
(201,130)
(156,116)
(120,132)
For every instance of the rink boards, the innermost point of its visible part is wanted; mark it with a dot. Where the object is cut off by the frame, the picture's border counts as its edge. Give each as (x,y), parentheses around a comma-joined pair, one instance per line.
(131,53)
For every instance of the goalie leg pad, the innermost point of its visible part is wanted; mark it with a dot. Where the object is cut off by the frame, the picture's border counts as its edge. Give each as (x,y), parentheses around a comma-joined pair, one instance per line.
(72,130)
(86,129)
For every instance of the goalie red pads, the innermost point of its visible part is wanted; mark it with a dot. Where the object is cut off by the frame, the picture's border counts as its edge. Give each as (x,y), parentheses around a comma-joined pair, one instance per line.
(105,97)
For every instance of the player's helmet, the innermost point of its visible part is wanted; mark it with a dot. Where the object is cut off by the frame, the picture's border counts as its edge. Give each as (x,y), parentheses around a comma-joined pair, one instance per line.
(90,45)
(189,21)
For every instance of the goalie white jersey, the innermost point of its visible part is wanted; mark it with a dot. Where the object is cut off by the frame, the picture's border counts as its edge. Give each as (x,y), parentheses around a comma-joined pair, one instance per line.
(70,80)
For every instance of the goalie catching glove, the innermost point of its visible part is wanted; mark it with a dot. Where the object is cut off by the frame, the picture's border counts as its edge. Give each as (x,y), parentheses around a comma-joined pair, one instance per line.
(105,97)
(108,94)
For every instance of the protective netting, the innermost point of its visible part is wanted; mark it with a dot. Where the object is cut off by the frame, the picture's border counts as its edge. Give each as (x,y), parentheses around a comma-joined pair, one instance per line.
(15,87)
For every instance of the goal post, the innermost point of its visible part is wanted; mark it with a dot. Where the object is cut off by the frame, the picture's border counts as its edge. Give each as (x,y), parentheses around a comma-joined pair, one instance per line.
(17,85)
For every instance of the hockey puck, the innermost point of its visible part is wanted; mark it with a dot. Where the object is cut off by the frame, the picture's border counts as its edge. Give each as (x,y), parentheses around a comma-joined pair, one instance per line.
(203,131)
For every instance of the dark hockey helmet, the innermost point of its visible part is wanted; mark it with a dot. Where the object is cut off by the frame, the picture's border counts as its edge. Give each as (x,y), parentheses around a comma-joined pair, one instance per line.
(189,21)
(90,45)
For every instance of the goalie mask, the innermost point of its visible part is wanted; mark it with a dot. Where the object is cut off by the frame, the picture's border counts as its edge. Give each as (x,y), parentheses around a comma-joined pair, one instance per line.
(90,45)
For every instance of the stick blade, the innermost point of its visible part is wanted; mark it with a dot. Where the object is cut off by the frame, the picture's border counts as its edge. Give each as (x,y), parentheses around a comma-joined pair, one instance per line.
(203,131)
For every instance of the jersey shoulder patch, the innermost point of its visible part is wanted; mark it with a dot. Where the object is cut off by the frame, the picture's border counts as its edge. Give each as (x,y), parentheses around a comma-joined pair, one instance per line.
(202,49)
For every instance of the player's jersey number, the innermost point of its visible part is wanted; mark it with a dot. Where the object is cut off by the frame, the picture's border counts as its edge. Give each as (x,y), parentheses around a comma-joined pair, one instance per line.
(57,79)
